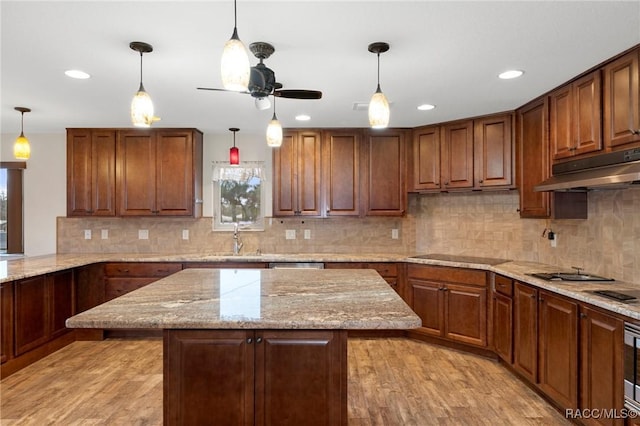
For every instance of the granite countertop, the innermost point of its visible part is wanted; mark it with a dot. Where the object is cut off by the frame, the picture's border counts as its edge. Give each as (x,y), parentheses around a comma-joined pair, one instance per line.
(257,299)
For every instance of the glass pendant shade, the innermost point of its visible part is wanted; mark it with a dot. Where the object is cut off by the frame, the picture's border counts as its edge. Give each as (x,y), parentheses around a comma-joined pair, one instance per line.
(378,110)
(234,156)
(22,149)
(142,109)
(274,133)
(234,66)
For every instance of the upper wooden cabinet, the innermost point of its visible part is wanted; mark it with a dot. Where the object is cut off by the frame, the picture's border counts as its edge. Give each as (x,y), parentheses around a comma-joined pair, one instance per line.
(384,172)
(91,172)
(426,158)
(575,117)
(494,154)
(159,172)
(297,169)
(622,101)
(125,172)
(457,155)
(341,172)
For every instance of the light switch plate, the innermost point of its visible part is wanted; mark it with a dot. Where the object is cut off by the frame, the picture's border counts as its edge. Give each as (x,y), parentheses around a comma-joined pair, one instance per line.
(185,234)
(394,234)
(87,234)
(143,234)
(290,234)
(307,234)
(104,234)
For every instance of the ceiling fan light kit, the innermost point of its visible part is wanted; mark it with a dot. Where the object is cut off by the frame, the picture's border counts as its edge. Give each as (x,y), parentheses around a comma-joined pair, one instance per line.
(142,113)
(22,148)
(378,106)
(234,153)
(234,65)
(274,130)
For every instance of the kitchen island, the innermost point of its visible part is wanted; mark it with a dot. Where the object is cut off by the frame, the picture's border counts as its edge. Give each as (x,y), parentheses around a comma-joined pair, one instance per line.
(256,346)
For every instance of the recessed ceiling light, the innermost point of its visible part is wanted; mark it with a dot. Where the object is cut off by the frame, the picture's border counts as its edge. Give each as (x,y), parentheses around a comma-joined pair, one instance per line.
(303,117)
(507,75)
(81,75)
(426,107)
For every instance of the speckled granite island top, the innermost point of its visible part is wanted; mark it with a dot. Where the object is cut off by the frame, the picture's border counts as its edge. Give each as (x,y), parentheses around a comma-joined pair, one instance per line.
(256,299)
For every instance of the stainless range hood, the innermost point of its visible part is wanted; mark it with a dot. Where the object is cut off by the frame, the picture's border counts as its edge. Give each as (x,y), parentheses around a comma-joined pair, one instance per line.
(608,171)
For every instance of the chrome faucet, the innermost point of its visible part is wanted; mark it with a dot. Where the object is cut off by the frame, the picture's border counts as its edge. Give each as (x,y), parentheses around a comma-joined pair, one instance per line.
(237,242)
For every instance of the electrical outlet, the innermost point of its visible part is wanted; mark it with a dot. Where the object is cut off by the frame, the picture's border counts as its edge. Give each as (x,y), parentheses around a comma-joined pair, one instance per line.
(307,234)
(87,234)
(104,234)
(394,234)
(290,234)
(554,242)
(143,234)
(185,234)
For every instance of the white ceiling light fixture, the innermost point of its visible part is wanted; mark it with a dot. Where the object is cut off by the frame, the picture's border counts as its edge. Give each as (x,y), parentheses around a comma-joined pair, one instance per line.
(21,148)
(274,130)
(303,117)
(378,106)
(509,74)
(77,74)
(234,66)
(142,114)
(426,107)
(263,103)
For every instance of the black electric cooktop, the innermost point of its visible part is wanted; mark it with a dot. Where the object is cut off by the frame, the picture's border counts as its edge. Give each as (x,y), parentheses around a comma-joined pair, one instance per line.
(569,276)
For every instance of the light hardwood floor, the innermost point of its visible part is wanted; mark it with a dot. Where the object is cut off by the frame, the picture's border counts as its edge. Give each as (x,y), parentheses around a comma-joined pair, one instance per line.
(391,382)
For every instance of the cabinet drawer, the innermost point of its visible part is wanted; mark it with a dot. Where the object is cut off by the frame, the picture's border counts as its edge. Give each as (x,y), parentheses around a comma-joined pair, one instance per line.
(116,287)
(125,269)
(450,275)
(504,285)
(384,269)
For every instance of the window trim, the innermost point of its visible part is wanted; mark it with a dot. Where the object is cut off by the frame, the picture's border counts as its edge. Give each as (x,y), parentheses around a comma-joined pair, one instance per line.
(229,227)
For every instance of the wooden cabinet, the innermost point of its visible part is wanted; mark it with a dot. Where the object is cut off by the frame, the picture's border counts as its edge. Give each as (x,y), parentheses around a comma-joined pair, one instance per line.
(622,102)
(91,172)
(525,331)
(494,154)
(226,265)
(247,377)
(6,321)
(502,320)
(601,363)
(159,172)
(575,117)
(558,351)
(42,304)
(457,155)
(452,302)
(90,285)
(341,172)
(124,277)
(426,159)
(391,272)
(296,174)
(384,172)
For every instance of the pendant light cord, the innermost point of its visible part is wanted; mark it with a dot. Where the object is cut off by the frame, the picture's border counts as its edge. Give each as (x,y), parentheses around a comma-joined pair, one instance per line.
(235,14)
(274,108)
(22,123)
(141,70)
(378,89)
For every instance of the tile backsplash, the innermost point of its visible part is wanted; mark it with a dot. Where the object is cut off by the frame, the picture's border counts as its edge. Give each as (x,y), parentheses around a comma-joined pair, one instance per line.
(478,224)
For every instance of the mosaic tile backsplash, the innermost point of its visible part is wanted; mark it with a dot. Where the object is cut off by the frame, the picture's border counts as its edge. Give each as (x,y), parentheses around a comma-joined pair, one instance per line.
(480,224)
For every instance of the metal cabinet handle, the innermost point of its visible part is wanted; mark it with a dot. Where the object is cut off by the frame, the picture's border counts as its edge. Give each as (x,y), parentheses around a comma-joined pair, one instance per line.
(635,132)
(583,315)
(259,340)
(533,296)
(249,340)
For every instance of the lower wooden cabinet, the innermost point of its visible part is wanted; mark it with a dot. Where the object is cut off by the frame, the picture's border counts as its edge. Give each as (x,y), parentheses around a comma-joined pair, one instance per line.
(6,321)
(391,272)
(525,331)
(261,377)
(452,302)
(502,318)
(228,265)
(124,277)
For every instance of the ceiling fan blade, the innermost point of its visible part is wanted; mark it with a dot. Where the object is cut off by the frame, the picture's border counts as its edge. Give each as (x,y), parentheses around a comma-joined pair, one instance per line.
(220,90)
(298,94)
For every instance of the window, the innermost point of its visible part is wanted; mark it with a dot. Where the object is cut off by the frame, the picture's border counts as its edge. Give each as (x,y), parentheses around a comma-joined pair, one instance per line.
(238,196)
(11,237)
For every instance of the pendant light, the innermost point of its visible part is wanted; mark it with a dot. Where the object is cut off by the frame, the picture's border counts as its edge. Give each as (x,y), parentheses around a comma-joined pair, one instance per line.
(22,149)
(141,105)
(274,129)
(234,66)
(234,153)
(378,106)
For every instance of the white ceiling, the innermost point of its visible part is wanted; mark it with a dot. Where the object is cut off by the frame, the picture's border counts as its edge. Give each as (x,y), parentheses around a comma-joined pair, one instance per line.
(445,53)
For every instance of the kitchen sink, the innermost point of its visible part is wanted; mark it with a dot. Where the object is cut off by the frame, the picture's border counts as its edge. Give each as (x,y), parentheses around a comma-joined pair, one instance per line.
(569,276)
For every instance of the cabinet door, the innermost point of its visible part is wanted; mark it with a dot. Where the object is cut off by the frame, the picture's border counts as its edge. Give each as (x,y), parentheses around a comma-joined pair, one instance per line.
(136,173)
(341,160)
(174,173)
(558,358)
(525,331)
(587,113)
(208,377)
(384,171)
(560,123)
(6,321)
(284,177)
(601,364)
(533,159)
(301,377)
(457,155)
(503,327)
(622,101)
(493,152)
(426,158)
(427,301)
(32,324)
(309,174)
(62,301)
(465,313)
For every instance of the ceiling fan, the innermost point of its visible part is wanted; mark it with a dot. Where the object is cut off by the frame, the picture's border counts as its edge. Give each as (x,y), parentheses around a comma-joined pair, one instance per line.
(262,81)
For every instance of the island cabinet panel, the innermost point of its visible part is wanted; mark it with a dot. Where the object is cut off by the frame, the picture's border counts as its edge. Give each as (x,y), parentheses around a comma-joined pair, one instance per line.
(622,101)
(91,172)
(124,277)
(6,321)
(558,358)
(457,155)
(90,284)
(341,172)
(426,159)
(525,331)
(63,301)
(601,363)
(255,377)
(451,302)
